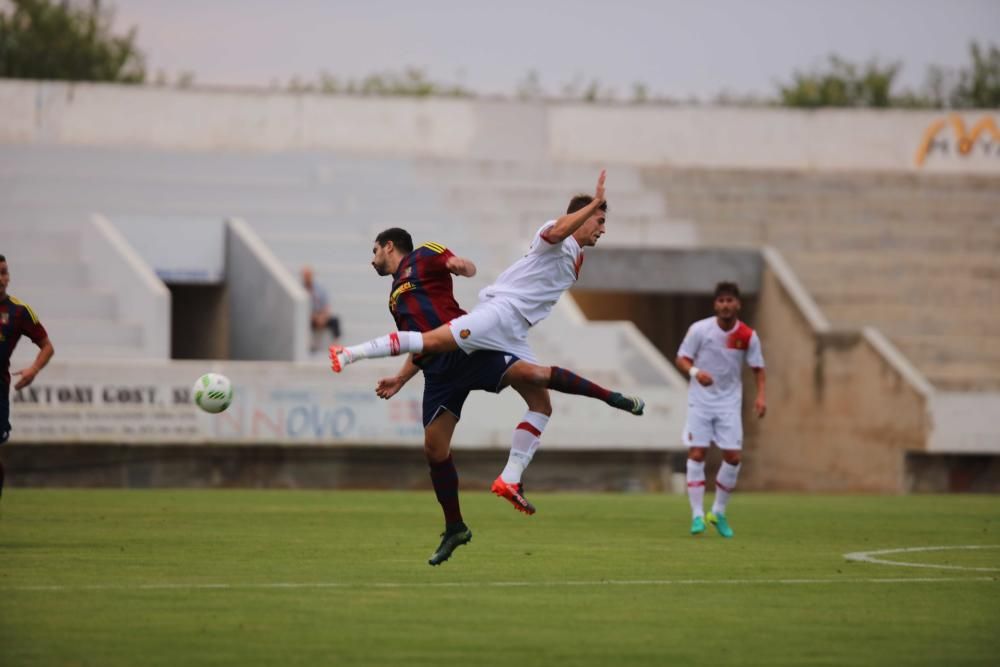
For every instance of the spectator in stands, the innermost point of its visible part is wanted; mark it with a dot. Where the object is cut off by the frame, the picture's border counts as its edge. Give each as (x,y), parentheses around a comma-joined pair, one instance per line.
(321,319)
(17,319)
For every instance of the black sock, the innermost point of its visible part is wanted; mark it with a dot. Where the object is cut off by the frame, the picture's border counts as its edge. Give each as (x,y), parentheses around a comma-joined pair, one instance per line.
(444,477)
(457,527)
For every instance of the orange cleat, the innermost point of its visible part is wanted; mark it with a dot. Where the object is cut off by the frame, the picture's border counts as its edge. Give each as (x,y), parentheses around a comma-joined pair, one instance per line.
(335,363)
(514,493)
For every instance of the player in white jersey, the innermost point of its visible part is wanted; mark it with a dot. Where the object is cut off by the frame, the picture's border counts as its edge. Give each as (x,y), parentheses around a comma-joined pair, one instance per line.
(712,355)
(521,297)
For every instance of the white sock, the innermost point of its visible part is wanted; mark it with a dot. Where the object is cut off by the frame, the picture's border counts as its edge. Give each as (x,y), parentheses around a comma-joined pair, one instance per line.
(725,483)
(696,487)
(399,342)
(524,443)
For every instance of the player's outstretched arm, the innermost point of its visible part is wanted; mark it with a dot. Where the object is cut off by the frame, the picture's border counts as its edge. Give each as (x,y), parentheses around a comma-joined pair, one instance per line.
(461,266)
(27,375)
(389,387)
(569,223)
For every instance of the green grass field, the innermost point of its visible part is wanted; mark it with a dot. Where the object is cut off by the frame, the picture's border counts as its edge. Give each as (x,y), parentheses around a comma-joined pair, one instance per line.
(340,578)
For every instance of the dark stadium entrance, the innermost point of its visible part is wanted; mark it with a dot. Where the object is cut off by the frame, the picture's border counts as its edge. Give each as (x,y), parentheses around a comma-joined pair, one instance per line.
(663,291)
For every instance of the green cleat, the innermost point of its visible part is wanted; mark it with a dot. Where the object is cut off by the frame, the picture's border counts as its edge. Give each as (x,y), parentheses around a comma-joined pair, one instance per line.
(632,404)
(720,523)
(451,540)
(698,525)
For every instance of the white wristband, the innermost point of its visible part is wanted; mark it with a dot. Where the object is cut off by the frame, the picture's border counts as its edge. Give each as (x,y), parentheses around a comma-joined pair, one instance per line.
(693,373)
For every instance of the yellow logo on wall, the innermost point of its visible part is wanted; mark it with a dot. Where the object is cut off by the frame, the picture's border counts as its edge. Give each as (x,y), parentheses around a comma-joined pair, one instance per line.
(959,141)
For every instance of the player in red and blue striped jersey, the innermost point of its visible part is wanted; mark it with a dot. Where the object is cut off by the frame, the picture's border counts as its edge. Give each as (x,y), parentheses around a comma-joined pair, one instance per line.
(17,319)
(422,299)
(422,296)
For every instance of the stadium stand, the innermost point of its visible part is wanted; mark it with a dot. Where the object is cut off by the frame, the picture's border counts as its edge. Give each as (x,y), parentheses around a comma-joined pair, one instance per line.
(854,260)
(318,209)
(914,255)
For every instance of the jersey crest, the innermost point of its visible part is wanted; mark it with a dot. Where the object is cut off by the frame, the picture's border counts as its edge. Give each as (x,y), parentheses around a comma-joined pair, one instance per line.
(739,339)
(405,287)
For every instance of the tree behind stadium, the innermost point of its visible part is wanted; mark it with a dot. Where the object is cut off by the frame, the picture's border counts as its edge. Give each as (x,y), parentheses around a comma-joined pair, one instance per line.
(844,84)
(41,39)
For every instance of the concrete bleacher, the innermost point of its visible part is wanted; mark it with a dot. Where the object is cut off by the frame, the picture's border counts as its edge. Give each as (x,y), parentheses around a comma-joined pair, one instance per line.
(319,209)
(868,241)
(913,255)
(508,201)
(81,312)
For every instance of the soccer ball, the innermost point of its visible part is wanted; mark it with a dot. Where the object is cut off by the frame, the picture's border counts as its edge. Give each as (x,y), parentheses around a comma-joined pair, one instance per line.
(213,392)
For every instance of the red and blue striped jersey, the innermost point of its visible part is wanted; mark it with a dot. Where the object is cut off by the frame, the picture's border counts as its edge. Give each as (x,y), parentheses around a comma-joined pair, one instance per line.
(422,298)
(16,319)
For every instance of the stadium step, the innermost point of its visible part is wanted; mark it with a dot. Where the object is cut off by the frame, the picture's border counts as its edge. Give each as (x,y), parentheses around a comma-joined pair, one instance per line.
(545,198)
(901,319)
(29,244)
(980,347)
(47,274)
(96,332)
(571,177)
(961,376)
(70,302)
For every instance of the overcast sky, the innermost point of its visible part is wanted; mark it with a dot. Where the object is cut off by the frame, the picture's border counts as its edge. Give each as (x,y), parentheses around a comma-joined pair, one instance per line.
(677,49)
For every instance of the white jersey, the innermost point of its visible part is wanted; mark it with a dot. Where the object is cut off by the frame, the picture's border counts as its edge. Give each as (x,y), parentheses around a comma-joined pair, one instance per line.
(535,282)
(720,354)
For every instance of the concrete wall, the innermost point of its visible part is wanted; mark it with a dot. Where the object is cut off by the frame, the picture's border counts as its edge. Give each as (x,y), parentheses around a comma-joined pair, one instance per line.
(139,402)
(845,408)
(913,254)
(144,299)
(774,138)
(99,114)
(298,467)
(671,270)
(843,414)
(268,309)
(965,423)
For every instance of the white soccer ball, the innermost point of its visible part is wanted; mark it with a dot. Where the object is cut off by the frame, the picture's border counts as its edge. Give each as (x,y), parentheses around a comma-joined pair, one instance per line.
(213,392)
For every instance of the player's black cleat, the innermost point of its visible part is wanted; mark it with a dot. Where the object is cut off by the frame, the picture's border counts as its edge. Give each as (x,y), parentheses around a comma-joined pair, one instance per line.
(632,404)
(450,540)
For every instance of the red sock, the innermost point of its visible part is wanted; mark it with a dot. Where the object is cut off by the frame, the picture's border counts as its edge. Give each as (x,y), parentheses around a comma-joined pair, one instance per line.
(568,382)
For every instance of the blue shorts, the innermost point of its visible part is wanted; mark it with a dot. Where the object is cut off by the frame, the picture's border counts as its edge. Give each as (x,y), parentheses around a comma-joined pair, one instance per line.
(4,415)
(449,377)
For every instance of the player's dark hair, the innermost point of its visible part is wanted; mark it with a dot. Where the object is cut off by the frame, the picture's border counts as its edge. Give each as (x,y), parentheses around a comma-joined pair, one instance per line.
(399,237)
(731,289)
(579,201)
(2,258)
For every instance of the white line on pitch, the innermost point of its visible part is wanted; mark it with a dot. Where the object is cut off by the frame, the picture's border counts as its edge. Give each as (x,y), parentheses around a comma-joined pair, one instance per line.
(869,557)
(493,584)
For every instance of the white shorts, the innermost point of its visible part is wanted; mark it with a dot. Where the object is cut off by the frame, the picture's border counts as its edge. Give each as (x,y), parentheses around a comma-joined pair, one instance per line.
(493,325)
(703,427)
